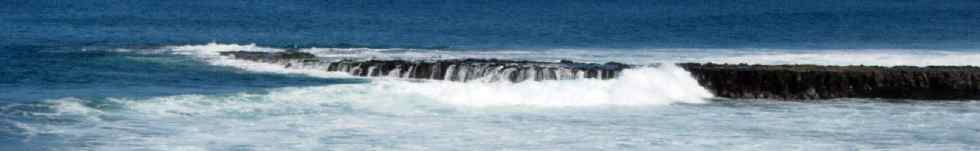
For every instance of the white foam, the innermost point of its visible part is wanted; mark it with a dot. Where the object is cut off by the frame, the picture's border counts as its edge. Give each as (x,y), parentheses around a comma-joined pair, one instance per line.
(212,49)
(276,68)
(375,116)
(644,86)
(885,57)
(657,85)
(394,114)
(297,118)
(210,53)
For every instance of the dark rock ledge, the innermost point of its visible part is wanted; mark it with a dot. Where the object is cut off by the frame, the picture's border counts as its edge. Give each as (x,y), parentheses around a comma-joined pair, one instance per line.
(790,82)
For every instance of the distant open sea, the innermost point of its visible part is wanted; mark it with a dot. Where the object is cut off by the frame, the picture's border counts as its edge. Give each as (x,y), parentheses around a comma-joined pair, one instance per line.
(106,75)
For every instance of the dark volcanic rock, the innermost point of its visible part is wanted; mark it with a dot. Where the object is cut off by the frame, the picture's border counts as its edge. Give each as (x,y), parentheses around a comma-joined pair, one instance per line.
(822,82)
(452,70)
(793,82)
(249,55)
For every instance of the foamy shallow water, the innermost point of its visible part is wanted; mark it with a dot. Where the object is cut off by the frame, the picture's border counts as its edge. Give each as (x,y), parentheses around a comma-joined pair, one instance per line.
(654,108)
(355,117)
(79,75)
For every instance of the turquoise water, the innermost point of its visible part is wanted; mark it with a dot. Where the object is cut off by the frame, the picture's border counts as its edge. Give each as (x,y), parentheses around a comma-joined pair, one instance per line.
(144,75)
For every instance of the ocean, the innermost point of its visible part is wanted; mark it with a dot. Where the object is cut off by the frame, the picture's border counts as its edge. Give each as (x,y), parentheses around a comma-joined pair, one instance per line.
(146,75)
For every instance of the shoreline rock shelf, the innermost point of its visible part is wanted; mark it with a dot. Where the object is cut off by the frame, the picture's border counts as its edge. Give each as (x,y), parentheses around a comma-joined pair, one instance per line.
(823,82)
(453,70)
(789,82)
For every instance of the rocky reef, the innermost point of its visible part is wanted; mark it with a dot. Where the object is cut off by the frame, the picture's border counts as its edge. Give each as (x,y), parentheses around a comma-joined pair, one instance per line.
(452,70)
(787,82)
(822,82)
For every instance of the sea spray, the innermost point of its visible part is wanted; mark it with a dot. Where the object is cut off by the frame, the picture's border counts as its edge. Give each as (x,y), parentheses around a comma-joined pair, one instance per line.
(654,85)
(659,85)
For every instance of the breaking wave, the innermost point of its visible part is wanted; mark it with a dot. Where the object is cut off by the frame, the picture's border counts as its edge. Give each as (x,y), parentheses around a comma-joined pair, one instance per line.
(300,117)
(412,115)
(663,84)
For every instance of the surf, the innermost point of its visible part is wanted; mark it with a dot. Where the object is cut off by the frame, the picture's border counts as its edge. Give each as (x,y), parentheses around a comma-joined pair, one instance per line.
(786,82)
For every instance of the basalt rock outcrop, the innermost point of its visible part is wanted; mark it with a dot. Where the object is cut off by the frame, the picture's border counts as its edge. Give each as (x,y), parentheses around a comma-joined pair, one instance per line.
(452,70)
(822,82)
(790,82)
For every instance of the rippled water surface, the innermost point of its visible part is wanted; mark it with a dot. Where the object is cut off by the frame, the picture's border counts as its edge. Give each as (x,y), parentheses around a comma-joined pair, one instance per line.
(146,75)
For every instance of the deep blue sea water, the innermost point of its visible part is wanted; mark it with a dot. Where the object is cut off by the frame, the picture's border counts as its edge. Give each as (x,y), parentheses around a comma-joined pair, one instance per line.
(142,75)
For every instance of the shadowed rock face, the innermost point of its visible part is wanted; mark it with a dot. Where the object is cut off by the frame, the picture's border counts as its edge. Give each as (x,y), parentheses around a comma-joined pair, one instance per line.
(823,82)
(790,82)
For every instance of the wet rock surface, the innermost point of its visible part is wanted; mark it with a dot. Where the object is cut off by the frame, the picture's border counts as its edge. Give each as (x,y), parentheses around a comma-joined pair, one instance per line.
(452,70)
(787,82)
(823,82)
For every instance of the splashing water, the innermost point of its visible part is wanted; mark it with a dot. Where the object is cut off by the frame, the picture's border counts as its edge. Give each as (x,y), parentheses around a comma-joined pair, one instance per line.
(649,108)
